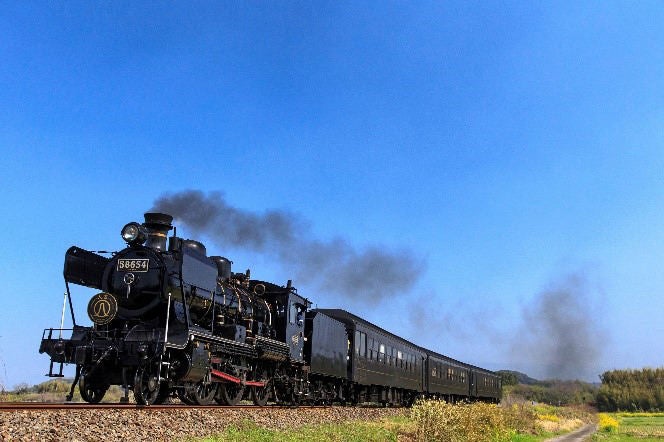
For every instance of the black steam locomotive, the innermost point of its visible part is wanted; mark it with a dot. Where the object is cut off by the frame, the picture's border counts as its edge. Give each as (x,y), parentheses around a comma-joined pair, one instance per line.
(169,321)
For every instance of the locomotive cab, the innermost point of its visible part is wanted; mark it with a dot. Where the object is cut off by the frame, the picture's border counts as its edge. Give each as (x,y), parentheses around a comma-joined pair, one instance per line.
(289,319)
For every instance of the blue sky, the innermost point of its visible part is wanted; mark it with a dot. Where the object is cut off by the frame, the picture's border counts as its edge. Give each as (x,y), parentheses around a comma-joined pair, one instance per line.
(509,146)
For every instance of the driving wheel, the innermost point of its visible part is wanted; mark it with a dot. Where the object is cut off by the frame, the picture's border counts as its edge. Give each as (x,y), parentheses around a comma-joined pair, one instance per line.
(229,394)
(260,395)
(204,393)
(146,387)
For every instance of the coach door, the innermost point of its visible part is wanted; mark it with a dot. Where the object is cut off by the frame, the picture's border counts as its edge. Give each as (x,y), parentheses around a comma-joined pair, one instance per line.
(350,357)
(424,367)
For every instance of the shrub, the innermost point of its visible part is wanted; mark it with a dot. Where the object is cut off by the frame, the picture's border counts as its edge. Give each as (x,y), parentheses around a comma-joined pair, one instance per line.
(521,418)
(607,424)
(54,386)
(477,422)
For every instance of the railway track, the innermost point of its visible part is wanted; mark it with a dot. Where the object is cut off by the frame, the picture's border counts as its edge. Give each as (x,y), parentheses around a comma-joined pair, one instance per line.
(18,406)
(90,423)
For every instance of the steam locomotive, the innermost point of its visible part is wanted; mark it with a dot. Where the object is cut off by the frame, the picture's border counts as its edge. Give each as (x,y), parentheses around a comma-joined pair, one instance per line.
(171,322)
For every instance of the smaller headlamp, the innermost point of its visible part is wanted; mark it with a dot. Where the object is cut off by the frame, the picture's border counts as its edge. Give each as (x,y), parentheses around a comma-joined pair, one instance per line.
(134,234)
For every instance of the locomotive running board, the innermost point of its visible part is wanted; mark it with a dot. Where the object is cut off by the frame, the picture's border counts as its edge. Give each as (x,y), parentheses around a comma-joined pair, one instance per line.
(230,378)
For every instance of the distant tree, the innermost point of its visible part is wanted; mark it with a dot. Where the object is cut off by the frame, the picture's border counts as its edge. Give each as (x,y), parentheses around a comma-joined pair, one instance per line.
(556,392)
(508,377)
(632,390)
(21,388)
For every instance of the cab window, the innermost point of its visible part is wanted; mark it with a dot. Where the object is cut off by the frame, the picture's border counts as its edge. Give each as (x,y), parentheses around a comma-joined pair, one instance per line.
(292,313)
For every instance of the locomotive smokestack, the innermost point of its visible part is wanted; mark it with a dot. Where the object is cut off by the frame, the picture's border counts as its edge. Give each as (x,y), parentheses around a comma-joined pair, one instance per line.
(157,225)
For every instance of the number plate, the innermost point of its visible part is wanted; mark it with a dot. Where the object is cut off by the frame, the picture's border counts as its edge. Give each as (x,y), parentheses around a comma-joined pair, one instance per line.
(133,265)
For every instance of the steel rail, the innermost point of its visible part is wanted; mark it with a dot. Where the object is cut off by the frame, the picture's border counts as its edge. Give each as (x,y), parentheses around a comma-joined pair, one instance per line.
(19,406)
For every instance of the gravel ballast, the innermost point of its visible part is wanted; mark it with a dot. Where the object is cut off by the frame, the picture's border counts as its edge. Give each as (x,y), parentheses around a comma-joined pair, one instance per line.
(164,425)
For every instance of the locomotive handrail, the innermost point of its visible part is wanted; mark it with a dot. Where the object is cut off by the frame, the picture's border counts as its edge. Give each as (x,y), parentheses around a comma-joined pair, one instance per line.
(51,330)
(71,305)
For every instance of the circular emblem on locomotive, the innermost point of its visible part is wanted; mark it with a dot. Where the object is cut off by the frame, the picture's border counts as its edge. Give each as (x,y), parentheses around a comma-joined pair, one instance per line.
(129,278)
(102,308)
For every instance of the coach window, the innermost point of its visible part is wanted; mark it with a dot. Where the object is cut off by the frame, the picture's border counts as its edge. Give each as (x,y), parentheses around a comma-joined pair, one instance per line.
(381,353)
(363,345)
(357,342)
(399,359)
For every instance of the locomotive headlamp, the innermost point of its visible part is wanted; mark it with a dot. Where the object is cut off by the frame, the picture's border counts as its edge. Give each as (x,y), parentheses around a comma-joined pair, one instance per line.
(59,347)
(134,234)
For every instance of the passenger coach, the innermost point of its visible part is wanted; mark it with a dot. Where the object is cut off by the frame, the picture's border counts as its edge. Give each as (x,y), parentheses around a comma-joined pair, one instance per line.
(386,368)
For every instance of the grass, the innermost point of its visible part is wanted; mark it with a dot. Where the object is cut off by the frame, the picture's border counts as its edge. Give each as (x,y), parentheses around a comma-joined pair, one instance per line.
(630,427)
(431,421)
(350,431)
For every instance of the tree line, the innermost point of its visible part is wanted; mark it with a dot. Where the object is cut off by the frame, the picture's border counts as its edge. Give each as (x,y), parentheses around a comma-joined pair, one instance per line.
(632,390)
(519,386)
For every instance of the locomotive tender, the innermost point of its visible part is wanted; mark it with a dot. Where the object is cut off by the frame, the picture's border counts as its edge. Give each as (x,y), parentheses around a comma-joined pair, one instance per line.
(169,321)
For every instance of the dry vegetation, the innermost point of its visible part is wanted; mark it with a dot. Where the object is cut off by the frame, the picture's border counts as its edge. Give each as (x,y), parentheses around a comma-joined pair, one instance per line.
(478,422)
(54,390)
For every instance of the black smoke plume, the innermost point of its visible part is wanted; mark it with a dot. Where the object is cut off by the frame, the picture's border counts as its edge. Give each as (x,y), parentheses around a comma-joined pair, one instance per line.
(558,334)
(335,266)
(561,332)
